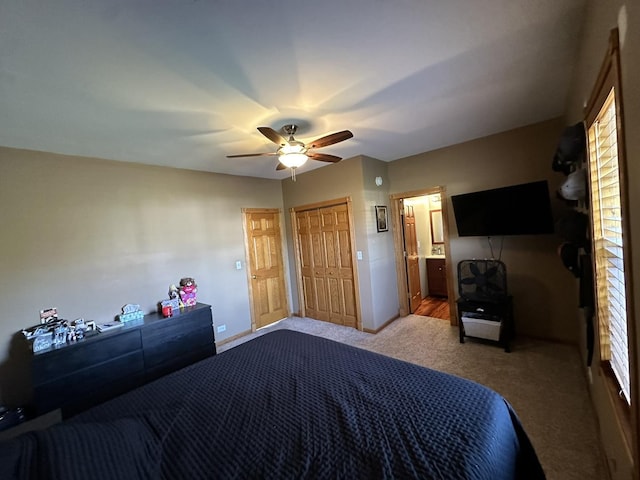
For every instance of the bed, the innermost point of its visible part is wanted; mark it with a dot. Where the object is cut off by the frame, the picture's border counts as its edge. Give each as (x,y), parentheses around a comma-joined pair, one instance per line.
(287,405)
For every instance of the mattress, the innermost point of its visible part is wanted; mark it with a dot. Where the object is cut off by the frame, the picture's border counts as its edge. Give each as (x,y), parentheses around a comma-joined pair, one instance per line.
(287,405)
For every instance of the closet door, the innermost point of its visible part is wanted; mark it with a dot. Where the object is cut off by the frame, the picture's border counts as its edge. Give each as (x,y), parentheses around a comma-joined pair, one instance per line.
(326,264)
(339,274)
(312,264)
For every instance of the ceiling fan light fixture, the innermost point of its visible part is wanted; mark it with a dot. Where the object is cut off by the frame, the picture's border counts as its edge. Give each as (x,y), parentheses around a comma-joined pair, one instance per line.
(293,160)
(292,155)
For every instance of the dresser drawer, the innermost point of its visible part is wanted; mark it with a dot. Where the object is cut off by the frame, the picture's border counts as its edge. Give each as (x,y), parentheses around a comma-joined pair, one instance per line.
(170,343)
(166,326)
(104,380)
(176,363)
(59,363)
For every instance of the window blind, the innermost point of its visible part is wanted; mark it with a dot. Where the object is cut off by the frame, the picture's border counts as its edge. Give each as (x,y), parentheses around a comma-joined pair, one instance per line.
(608,245)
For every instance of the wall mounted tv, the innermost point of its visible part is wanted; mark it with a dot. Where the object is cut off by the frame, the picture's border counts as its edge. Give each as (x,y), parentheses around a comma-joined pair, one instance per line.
(516,210)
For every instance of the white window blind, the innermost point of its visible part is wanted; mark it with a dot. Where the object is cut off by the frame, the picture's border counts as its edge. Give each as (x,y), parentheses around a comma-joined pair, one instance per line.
(608,245)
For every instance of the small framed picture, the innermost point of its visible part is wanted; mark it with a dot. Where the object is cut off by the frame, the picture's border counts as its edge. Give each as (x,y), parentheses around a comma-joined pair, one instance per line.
(382,222)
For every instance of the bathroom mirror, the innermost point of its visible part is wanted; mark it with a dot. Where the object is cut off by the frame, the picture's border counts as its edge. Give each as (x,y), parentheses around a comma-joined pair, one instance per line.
(437,235)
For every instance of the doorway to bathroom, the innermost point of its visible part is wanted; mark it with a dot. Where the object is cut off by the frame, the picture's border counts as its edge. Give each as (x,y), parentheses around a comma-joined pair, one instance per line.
(421,243)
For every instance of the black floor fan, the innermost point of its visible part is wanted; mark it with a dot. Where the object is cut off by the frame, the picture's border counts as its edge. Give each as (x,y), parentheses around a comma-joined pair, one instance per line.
(482,280)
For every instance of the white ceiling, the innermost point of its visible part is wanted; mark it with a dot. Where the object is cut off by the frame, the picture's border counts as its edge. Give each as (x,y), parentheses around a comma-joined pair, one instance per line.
(184,83)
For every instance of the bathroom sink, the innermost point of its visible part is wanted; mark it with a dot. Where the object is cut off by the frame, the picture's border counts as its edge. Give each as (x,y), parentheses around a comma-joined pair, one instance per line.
(436,256)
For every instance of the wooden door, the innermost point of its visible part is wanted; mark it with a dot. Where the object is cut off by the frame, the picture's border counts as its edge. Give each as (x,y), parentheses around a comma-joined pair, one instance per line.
(339,274)
(411,257)
(268,294)
(325,260)
(312,264)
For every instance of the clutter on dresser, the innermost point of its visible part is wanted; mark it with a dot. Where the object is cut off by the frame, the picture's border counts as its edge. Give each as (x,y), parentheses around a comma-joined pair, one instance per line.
(40,337)
(54,331)
(180,296)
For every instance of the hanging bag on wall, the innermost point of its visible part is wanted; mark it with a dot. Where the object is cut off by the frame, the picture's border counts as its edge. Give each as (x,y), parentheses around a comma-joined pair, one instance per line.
(571,149)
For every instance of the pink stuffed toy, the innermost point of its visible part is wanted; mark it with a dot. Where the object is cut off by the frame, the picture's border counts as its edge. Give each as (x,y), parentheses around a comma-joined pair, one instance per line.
(188,290)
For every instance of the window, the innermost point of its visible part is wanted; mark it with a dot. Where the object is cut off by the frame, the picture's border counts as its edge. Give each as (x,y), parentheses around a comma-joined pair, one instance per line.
(608,213)
(608,247)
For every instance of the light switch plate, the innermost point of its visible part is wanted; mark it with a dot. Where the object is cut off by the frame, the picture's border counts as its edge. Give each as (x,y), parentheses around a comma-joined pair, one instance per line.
(238,265)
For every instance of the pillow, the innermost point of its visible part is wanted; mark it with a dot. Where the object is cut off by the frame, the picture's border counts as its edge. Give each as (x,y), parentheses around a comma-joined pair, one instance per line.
(124,448)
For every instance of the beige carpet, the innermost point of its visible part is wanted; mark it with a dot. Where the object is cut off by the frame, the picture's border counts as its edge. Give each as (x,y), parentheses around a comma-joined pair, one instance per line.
(542,380)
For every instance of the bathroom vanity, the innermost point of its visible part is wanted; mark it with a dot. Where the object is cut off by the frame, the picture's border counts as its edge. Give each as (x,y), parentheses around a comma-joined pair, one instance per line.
(437,276)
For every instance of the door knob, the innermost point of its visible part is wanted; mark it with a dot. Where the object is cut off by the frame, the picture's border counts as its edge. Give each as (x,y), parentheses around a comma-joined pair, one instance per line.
(254,276)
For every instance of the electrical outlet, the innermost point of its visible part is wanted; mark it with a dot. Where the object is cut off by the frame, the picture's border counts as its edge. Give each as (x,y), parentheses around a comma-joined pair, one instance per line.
(359,255)
(222,328)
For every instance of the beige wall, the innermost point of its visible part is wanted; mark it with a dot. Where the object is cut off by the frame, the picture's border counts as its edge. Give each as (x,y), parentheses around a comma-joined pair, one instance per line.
(601,18)
(88,236)
(544,292)
(378,249)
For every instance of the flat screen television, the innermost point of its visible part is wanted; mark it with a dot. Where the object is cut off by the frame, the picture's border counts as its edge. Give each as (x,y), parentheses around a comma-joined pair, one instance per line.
(523,209)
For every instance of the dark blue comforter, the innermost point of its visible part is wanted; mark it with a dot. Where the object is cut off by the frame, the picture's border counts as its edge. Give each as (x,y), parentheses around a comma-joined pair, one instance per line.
(287,405)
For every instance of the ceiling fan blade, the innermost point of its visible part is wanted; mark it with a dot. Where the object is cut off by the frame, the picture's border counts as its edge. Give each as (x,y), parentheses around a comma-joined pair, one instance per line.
(252,155)
(272,135)
(280,166)
(323,157)
(330,139)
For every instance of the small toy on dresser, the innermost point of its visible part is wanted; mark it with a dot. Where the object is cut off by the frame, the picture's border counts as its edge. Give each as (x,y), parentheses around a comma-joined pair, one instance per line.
(130,313)
(168,307)
(174,294)
(77,330)
(188,290)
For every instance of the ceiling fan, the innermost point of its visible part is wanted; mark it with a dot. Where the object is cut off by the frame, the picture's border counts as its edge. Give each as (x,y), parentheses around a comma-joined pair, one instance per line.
(292,153)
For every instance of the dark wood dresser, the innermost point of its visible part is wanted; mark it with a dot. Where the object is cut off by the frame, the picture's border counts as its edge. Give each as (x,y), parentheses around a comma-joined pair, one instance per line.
(78,375)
